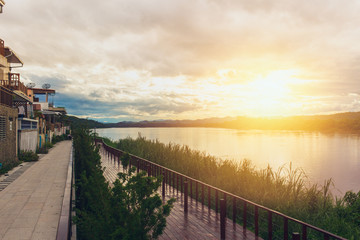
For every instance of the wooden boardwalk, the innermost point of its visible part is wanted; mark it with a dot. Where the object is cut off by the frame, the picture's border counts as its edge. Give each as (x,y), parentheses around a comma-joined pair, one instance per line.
(198,223)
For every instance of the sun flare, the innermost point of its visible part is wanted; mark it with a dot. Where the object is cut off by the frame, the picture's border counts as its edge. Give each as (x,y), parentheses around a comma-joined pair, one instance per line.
(269,95)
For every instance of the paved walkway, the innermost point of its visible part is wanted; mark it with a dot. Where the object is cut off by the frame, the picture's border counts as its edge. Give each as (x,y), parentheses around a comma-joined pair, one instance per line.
(30,206)
(200,223)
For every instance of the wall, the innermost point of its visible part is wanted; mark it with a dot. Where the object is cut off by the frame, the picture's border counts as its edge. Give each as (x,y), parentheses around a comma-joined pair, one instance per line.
(8,144)
(28,140)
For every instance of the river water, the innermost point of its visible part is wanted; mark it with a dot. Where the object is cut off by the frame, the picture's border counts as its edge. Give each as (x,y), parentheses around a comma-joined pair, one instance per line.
(321,156)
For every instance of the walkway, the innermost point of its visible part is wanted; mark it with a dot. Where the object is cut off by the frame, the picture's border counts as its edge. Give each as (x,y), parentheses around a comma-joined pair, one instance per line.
(199,223)
(30,206)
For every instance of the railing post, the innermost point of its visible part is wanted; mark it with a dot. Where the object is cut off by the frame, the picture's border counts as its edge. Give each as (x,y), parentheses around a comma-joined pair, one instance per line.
(295,236)
(173,181)
(234,209)
(196,191)
(256,221)
(326,237)
(216,201)
(222,218)
(191,190)
(186,196)
(181,184)
(202,194)
(163,184)
(138,165)
(304,232)
(177,183)
(244,215)
(269,225)
(149,170)
(209,197)
(286,228)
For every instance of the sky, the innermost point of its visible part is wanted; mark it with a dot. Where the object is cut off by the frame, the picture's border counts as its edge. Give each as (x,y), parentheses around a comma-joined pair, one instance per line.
(121,60)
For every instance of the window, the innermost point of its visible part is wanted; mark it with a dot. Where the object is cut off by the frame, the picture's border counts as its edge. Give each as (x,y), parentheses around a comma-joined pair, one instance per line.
(2,127)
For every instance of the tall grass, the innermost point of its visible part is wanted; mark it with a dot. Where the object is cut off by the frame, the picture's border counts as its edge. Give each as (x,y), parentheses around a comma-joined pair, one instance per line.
(285,189)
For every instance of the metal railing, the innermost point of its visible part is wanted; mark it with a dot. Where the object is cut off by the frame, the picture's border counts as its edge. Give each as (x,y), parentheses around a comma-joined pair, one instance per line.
(14,83)
(28,124)
(210,196)
(6,97)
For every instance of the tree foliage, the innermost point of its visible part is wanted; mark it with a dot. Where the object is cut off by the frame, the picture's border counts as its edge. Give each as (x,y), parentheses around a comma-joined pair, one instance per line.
(131,209)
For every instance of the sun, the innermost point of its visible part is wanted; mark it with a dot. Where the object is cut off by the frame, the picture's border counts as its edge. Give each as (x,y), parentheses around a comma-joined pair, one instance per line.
(269,95)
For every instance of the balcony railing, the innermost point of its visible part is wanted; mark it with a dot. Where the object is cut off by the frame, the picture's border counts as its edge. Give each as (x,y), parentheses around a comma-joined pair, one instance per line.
(6,97)
(14,83)
(27,124)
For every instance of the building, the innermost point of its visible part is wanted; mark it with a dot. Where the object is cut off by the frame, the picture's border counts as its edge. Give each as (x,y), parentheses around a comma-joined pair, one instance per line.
(47,114)
(2,3)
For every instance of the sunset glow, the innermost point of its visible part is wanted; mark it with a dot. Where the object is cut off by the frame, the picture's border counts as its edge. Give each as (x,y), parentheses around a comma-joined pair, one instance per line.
(142,61)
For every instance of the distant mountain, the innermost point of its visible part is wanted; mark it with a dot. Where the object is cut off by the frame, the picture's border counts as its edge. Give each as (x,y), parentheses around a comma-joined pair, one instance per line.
(77,122)
(207,122)
(340,122)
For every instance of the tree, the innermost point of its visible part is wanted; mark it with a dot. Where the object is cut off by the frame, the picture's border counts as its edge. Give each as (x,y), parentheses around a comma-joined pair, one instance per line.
(131,209)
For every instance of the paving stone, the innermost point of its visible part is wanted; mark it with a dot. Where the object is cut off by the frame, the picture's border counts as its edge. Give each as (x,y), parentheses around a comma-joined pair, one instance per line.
(31,197)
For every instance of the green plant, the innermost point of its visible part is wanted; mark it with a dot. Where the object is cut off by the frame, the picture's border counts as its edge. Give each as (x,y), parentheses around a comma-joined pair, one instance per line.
(138,209)
(42,150)
(28,156)
(58,138)
(131,209)
(8,165)
(125,159)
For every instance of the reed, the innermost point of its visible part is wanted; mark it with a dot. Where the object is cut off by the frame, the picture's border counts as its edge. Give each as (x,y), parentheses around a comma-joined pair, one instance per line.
(285,189)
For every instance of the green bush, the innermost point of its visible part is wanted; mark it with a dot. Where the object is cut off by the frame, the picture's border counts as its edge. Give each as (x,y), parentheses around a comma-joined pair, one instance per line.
(42,150)
(28,156)
(59,138)
(131,209)
(8,165)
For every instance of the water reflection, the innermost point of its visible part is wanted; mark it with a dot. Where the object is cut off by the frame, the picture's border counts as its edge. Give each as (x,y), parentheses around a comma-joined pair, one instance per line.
(321,156)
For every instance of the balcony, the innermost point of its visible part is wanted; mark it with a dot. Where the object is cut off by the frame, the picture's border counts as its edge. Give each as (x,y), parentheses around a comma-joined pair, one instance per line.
(6,97)
(14,83)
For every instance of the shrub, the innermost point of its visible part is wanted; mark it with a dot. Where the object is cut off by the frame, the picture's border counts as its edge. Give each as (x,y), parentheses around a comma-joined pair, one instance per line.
(131,209)
(59,138)
(42,150)
(28,156)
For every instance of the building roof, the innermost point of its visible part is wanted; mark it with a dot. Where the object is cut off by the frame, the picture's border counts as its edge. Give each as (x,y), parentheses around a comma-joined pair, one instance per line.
(42,90)
(11,56)
(20,97)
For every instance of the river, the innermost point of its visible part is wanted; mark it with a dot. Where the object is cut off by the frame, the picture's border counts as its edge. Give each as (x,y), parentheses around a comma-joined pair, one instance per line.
(321,156)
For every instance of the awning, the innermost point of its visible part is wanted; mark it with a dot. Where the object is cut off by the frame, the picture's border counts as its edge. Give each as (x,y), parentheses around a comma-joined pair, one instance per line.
(20,97)
(11,56)
(42,91)
(46,112)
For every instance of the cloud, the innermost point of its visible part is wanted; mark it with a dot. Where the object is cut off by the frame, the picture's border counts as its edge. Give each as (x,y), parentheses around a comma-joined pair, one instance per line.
(137,54)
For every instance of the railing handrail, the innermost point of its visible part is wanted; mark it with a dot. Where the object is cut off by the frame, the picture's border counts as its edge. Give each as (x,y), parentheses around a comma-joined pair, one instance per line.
(229,194)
